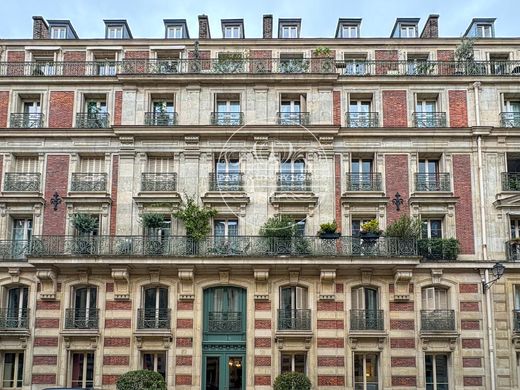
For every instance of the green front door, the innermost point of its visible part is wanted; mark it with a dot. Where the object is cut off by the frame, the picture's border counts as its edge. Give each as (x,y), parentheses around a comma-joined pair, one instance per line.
(224,371)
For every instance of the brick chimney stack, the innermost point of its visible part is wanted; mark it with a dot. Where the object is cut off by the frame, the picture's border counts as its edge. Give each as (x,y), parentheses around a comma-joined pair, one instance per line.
(431,28)
(204,32)
(268,27)
(40,28)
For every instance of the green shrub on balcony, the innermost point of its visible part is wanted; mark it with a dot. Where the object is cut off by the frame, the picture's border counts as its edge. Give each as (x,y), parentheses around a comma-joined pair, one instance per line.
(404,227)
(292,381)
(84,223)
(282,236)
(196,219)
(141,380)
(438,248)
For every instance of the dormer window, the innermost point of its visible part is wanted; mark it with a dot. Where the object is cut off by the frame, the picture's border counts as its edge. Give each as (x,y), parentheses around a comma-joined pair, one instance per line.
(405,28)
(175,32)
(290,31)
(484,31)
(115,32)
(232,32)
(58,32)
(408,31)
(349,31)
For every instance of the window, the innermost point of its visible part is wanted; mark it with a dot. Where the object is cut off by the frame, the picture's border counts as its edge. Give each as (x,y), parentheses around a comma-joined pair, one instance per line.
(408,31)
(115,32)
(294,313)
(293,362)
(484,31)
(428,178)
(105,66)
(84,314)
(227,110)
(175,32)
(515,228)
(510,116)
(162,232)
(32,113)
(290,31)
(58,32)
(359,113)
(417,64)
(226,228)
(21,235)
(349,31)
(155,361)
(516,311)
(163,112)
(434,298)
(356,225)
(365,313)
(360,178)
(227,174)
(431,228)
(232,32)
(83,370)
(355,64)
(300,227)
(366,371)
(292,175)
(13,370)
(436,370)
(16,316)
(426,113)
(155,313)
(292,110)
(43,65)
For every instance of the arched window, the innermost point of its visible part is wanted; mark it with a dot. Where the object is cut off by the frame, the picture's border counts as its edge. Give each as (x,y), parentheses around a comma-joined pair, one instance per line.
(84,313)
(365,313)
(16,312)
(294,313)
(436,314)
(155,312)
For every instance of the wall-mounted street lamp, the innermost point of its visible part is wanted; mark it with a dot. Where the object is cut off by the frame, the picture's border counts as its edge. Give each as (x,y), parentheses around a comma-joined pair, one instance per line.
(497,270)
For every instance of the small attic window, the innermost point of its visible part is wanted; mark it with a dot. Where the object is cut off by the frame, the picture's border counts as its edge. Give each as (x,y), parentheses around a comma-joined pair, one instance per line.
(349,31)
(484,30)
(408,31)
(290,31)
(175,32)
(115,32)
(59,32)
(232,31)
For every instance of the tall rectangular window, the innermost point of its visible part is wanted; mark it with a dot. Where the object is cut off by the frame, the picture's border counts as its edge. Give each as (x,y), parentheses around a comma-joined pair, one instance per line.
(366,371)
(155,361)
(13,370)
(293,362)
(82,374)
(436,372)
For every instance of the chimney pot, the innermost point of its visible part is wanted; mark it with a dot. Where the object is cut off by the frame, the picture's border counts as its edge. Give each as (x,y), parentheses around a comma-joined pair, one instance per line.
(268,27)
(431,27)
(204,32)
(40,28)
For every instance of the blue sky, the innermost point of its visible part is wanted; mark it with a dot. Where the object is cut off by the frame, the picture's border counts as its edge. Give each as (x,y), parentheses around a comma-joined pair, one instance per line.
(319,18)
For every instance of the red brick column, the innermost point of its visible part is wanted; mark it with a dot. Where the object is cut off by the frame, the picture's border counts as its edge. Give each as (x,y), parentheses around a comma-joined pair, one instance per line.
(74,63)
(261,61)
(395,112)
(386,61)
(336,108)
(397,180)
(16,65)
(118,108)
(458,108)
(57,176)
(61,105)
(464,207)
(263,344)
(4,105)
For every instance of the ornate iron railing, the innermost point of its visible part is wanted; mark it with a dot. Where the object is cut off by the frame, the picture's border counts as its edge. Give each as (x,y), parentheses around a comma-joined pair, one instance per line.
(510,119)
(14,318)
(154,318)
(239,246)
(22,182)
(438,249)
(293,118)
(364,182)
(293,181)
(516,320)
(224,322)
(429,119)
(437,320)
(227,118)
(432,182)
(510,181)
(15,250)
(160,118)
(92,120)
(159,182)
(82,318)
(231,181)
(367,320)
(88,182)
(294,319)
(362,119)
(513,250)
(26,120)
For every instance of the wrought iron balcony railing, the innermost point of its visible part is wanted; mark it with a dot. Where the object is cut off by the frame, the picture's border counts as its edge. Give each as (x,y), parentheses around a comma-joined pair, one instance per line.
(510,119)
(15,250)
(510,181)
(154,318)
(429,119)
(438,249)
(22,182)
(362,119)
(437,320)
(227,118)
(432,182)
(516,321)
(160,118)
(293,181)
(92,120)
(293,118)
(364,182)
(224,322)
(159,182)
(82,318)
(361,320)
(230,181)
(513,250)
(14,318)
(239,246)
(26,120)
(88,182)
(294,319)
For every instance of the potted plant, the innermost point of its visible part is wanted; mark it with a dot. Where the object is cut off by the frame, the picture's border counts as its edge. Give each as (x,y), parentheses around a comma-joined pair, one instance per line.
(282,238)
(152,222)
(85,225)
(404,227)
(370,230)
(329,231)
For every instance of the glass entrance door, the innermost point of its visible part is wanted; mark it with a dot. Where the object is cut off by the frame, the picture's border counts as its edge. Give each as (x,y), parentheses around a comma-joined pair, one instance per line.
(224,372)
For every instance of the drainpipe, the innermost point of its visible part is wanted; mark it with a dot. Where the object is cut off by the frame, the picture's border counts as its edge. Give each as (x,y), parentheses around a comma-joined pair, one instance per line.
(491,333)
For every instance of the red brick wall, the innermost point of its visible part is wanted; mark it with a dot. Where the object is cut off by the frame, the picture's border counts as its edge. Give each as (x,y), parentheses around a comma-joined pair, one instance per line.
(48,323)
(118,108)
(470,324)
(204,56)
(331,380)
(262,306)
(262,324)
(337,191)
(263,361)
(47,305)
(57,172)
(113,207)
(137,55)
(402,324)
(471,343)
(322,63)
(262,342)
(184,342)
(45,341)
(262,61)
(329,306)
(464,207)
(395,112)
(183,360)
(386,61)
(117,341)
(116,360)
(468,288)
(184,305)
(402,361)
(120,323)
(118,305)
(110,379)
(15,66)
(330,324)
(183,380)
(61,106)
(331,361)
(458,108)
(184,323)
(396,177)
(472,381)
(262,380)
(470,306)
(404,381)
(45,360)
(471,362)
(330,342)
(44,379)
(447,56)
(4,105)
(74,63)
(405,343)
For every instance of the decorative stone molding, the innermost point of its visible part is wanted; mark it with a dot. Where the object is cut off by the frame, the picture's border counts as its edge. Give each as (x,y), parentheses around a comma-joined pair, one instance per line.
(327,284)
(83,274)
(121,282)
(439,342)
(293,341)
(366,276)
(436,276)
(294,276)
(402,278)
(48,283)
(164,341)
(80,341)
(155,276)
(224,276)
(361,342)
(186,285)
(14,273)
(261,284)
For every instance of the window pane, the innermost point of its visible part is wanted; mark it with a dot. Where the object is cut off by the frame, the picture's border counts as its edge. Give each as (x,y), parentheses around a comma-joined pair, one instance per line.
(235,373)
(232,228)
(428,369)
(286,365)
(356,227)
(371,369)
(436,228)
(161,364)
(299,363)
(90,370)
(9,359)
(212,372)
(358,369)
(148,361)
(441,368)
(77,369)
(220,228)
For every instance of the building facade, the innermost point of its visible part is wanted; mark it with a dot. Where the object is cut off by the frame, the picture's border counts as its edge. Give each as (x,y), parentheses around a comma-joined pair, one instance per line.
(100,136)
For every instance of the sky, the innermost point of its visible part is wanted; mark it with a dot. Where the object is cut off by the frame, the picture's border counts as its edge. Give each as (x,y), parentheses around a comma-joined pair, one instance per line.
(319,17)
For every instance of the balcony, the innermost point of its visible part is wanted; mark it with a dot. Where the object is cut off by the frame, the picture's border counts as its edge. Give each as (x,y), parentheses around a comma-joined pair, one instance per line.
(362,119)
(24,120)
(160,118)
(510,181)
(22,182)
(88,182)
(362,320)
(293,181)
(232,181)
(510,119)
(364,182)
(91,120)
(513,250)
(295,319)
(516,321)
(82,318)
(438,249)
(14,319)
(437,321)
(432,182)
(15,250)
(227,118)
(429,119)
(209,247)
(293,118)
(159,182)
(154,318)
(224,322)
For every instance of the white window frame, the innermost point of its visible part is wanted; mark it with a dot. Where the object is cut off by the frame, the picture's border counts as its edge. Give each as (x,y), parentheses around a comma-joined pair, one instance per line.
(431,298)
(232,31)
(434,365)
(175,32)
(362,220)
(226,222)
(292,355)
(378,361)
(508,103)
(155,355)
(85,366)
(289,31)
(14,383)
(58,32)
(408,31)
(349,31)
(428,222)
(115,32)
(484,30)
(514,227)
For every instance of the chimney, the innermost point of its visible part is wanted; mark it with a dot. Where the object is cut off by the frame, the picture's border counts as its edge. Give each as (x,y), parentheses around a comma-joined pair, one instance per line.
(40,28)
(431,28)
(204,27)
(268,27)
